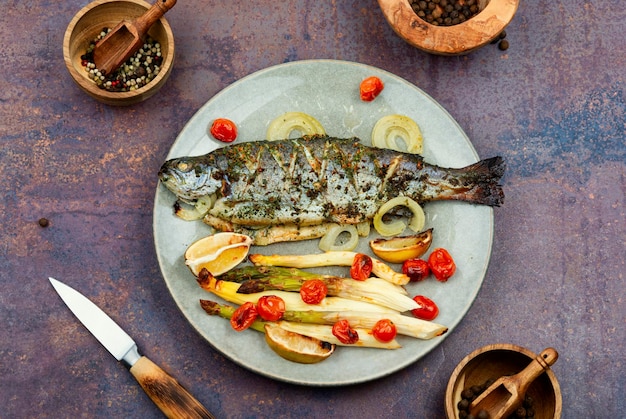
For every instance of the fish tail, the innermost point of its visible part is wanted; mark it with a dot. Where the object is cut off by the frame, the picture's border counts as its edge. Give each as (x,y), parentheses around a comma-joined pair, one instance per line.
(477,183)
(484,177)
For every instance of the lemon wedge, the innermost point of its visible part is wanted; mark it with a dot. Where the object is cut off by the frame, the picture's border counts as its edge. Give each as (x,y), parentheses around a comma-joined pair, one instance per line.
(217,253)
(399,249)
(296,347)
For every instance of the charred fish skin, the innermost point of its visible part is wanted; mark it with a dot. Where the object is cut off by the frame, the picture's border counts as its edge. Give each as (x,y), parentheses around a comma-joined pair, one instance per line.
(318,179)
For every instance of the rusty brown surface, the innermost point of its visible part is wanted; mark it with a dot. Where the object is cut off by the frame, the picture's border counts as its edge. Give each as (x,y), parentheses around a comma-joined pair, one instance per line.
(552,105)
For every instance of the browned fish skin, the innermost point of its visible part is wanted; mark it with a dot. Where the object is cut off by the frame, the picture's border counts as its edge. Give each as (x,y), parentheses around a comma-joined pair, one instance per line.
(318,179)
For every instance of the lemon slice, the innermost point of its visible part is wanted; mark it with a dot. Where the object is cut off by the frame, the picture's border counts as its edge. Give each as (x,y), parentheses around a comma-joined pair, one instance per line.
(399,249)
(296,347)
(217,253)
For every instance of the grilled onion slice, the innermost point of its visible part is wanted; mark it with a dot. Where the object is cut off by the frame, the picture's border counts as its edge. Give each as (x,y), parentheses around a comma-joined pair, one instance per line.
(391,127)
(396,227)
(328,242)
(282,127)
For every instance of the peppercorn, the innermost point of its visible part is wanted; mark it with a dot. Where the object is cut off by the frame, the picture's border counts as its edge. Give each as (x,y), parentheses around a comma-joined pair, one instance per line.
(503,45)
(135,73)
(468,394)
(463,404)
(526,411)
(445,12)
(43,222)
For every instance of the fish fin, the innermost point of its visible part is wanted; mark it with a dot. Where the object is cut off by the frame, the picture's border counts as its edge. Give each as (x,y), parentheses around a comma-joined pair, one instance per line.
(486,175)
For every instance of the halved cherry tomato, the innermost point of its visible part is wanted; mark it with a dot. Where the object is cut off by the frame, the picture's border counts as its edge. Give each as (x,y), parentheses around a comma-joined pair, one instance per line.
(384,330)
(441,264)
(416,269)
(244,316)
(224,130)
(345,333)
(428,309)
(313,291)
(361,268)
(270,307)
(370,88)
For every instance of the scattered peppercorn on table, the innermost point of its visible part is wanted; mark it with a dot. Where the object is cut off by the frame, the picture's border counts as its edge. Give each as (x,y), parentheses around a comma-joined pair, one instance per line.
(79,181)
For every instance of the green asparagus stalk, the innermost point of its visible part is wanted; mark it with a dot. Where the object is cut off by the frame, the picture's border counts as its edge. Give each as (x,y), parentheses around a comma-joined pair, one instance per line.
(408,326)
(226,312)
(227,290)
(319,331)
(372,290)
(379,268)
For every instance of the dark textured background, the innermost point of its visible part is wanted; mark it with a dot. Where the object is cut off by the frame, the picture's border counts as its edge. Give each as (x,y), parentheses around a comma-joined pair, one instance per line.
(552,105)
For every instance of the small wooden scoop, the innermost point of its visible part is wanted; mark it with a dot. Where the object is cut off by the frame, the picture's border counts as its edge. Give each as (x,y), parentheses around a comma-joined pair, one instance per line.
(127,37)
(505,395)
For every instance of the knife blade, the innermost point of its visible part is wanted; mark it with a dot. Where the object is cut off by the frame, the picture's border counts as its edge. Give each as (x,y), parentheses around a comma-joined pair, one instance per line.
(169,396)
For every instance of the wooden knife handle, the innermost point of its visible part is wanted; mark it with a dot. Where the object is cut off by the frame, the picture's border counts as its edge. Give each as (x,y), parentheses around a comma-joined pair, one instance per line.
(166,392)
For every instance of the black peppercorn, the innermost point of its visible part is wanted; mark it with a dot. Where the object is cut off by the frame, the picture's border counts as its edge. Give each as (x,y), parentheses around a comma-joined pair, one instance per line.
(463,404)
(445,12)
(43,222)
(503,45)
(467,393)
(520,412)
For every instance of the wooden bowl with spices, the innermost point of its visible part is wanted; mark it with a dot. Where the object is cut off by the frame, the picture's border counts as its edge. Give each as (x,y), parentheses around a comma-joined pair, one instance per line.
(542,399)
(127,86)
(449,27)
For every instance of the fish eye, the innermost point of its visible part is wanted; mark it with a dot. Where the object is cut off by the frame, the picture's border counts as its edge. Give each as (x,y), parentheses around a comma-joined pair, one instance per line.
(184,166)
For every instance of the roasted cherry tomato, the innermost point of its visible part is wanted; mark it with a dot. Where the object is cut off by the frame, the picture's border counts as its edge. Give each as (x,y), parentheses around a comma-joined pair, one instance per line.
(416,269)
(441,264)
(370,88)
(244,316)
(361,267)
(384,330)
(270,307)
(345,333)
(428,309)
(313,291)
(224,130)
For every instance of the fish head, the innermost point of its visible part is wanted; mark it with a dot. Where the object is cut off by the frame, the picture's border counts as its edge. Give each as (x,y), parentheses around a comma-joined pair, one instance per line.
(189,178)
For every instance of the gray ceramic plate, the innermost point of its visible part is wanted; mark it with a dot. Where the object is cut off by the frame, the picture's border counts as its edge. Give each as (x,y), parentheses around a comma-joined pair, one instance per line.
(328,90)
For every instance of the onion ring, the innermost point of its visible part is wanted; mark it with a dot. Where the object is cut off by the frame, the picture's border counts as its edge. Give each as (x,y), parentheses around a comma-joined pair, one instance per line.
(327,243)
(390,127)
(394,228)
(282,127)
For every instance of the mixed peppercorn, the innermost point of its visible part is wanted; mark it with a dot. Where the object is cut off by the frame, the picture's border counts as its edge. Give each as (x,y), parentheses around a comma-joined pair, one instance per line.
(135,73)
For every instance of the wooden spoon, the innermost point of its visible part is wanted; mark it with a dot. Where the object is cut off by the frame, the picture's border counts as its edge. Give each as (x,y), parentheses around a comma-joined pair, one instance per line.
(127,37)
(505,395)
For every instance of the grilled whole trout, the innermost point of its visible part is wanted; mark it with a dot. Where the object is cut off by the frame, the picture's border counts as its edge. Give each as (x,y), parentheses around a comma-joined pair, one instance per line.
(294,189)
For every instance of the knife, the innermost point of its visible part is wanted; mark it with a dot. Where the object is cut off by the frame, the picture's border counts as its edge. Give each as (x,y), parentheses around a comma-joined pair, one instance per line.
(164,390)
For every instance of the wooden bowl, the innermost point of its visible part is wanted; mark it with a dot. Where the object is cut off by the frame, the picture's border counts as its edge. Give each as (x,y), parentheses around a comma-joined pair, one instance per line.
(495,361)
(89,22)
(449,40)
